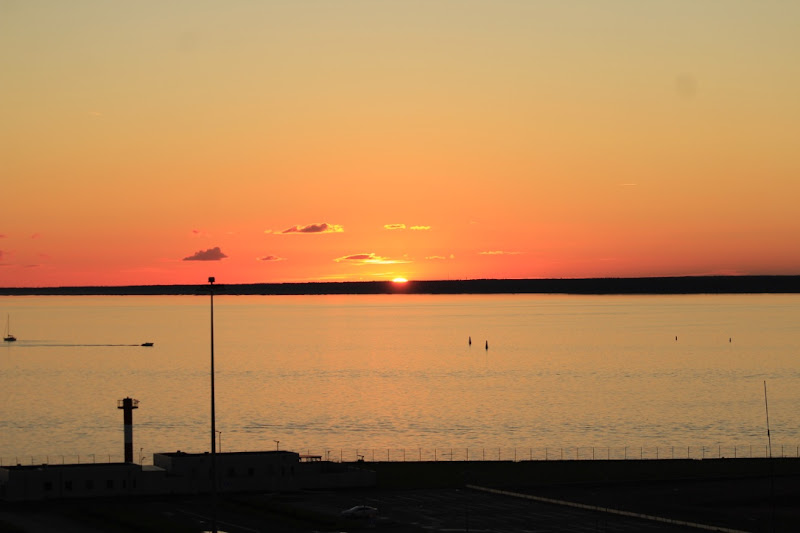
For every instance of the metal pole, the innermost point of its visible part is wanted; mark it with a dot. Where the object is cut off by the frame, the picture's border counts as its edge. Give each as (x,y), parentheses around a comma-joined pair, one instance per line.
(213,419)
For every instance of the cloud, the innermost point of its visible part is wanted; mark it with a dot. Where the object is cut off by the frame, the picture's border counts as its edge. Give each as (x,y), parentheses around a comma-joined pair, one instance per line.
(271,258)
(499,252)
(212,254)
(324,227)
(403,226)
(369,259)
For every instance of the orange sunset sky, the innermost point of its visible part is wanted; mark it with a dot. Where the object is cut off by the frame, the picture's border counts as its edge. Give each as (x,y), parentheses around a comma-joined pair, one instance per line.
(160,142)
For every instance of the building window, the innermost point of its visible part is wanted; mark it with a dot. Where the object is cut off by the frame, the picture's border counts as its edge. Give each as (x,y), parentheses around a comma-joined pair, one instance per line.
(109,483)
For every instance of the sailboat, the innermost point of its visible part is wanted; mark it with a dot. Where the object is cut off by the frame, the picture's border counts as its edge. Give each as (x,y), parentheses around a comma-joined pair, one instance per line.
(9,337)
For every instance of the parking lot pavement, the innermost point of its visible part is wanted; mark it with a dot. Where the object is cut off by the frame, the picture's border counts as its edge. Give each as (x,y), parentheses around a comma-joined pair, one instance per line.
(454,510)
(744,504)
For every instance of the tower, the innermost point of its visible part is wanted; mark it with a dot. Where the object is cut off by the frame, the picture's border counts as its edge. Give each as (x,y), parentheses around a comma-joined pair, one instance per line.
(128,405)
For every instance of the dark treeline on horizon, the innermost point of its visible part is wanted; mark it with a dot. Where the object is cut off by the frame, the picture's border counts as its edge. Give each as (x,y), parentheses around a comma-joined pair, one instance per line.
(659,285)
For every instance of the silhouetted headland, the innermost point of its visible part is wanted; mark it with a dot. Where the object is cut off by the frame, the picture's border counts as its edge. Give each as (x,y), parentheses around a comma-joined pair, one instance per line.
(660,285)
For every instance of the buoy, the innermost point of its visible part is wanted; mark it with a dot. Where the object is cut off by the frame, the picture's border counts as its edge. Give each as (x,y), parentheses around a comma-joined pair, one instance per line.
(470,341)
(487,345)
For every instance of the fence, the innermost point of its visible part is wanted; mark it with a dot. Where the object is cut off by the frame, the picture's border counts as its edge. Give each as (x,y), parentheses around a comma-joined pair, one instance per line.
(574,453)
(579,453)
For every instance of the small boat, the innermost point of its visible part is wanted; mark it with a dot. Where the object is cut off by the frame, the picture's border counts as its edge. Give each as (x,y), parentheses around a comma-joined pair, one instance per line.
(147,344)
(8,336)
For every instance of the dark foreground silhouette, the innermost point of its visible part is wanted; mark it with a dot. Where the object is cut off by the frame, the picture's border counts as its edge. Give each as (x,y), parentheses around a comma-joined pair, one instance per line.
(570,496)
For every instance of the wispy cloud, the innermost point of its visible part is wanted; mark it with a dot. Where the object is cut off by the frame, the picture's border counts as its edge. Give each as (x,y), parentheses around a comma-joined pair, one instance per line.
(212,254)
(369,259)
(271,258)
(440,257)
(403,226)
(499,252)
(323,227)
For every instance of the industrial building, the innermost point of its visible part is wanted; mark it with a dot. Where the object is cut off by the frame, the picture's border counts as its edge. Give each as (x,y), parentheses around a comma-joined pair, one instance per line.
(179,473)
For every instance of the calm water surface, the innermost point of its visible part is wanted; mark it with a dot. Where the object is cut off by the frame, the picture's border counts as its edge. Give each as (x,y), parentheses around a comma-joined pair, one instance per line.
(396,371)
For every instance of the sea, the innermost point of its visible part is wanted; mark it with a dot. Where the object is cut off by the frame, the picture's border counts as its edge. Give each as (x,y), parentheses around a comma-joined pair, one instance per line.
(402,376)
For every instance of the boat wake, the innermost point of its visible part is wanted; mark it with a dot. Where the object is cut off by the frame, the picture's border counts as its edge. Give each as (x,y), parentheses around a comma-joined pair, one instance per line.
(45,344)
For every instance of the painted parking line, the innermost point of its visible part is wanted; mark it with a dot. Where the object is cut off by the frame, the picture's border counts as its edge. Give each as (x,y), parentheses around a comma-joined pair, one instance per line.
(607,510)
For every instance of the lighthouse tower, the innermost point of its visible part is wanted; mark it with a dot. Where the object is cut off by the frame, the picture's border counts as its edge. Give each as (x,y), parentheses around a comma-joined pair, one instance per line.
(128,405)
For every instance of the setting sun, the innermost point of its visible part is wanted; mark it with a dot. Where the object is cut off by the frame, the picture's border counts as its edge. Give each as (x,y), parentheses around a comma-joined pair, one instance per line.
(400,280)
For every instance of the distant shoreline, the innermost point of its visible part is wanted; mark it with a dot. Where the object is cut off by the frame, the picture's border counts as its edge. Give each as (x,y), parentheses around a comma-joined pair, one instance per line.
(597,286)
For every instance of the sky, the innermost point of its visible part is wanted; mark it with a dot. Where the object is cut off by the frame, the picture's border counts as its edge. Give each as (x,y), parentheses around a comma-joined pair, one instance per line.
(162,142)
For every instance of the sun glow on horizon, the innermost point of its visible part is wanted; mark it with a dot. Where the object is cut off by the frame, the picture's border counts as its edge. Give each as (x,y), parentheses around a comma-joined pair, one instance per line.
(399,280)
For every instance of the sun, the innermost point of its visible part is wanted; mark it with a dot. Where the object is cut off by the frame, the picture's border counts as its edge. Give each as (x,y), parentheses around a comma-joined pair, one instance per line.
(400,280)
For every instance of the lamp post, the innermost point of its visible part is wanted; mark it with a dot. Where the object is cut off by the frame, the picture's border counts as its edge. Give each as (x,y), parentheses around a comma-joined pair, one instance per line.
(277,442)
(211,281)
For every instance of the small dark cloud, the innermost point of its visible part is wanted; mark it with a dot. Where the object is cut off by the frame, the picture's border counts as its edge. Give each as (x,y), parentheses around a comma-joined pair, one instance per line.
(357,258)
(271,258)
(212,254)
(323,227)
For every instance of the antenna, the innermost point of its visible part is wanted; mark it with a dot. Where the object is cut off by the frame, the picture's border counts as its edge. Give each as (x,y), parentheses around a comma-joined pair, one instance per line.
(771,464)
(766,406)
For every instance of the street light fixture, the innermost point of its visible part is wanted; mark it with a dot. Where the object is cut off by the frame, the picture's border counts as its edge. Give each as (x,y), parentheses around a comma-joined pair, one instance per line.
(211,281)
(277,442)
